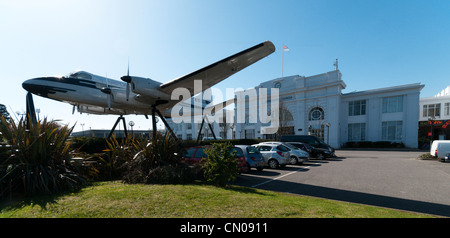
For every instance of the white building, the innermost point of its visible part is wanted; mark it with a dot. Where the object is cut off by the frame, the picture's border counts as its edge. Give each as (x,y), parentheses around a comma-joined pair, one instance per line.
(316,105)
(189,129)
(435,115)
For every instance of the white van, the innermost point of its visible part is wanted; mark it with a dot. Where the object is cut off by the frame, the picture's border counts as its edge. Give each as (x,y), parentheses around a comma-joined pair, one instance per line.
(440,148)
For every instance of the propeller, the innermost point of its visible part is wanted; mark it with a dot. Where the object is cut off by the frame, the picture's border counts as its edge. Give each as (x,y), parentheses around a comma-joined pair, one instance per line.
(107,90)
(128,80)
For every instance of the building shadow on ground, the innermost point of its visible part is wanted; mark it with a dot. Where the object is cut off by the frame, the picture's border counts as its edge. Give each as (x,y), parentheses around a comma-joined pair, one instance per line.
(357,197)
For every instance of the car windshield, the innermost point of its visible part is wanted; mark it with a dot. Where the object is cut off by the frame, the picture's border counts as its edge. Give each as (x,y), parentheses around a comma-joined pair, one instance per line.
(283,148)
(238,152)
(200,153)
(252,150)
(189,152)
(296,145)
(291,146)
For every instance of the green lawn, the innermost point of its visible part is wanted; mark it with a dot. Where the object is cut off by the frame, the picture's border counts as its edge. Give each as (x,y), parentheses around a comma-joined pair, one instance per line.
(114,199)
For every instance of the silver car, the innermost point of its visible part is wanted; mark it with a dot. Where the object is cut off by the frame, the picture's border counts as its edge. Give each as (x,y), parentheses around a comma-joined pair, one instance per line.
(274,155)
(253,158)
(298,156)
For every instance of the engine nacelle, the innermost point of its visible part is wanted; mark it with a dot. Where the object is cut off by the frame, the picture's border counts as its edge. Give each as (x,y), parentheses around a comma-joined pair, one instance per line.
(148,87)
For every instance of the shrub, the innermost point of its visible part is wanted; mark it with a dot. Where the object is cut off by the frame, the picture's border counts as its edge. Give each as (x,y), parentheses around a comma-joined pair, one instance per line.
(39,159)
(158,161)
(370,144)
(90,145)
(426,156)
(118,154)
(221,166)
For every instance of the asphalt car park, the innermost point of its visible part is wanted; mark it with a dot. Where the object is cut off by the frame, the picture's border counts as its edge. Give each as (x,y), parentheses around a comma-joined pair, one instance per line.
(393,179)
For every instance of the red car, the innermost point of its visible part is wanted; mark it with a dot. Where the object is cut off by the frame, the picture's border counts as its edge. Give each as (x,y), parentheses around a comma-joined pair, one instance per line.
(195,154)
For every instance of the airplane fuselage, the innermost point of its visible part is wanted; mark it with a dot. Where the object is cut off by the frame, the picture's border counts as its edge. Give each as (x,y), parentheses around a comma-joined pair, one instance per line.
(90,93)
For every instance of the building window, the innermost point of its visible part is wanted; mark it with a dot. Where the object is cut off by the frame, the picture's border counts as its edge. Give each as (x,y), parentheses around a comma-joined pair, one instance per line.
(447,109)
(249,134)
(357,132)
(391,130)
(393,104)
(357,108)
(316,114)
(432,110)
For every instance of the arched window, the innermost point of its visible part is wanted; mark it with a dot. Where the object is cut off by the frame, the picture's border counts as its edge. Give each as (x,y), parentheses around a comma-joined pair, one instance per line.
(316,114)
(286,115)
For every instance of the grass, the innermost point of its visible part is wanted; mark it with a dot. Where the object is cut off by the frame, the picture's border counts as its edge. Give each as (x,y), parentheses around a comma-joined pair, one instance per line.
(118,200)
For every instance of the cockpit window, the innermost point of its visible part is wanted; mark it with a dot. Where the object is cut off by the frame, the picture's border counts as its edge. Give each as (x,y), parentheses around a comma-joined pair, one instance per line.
(81,75)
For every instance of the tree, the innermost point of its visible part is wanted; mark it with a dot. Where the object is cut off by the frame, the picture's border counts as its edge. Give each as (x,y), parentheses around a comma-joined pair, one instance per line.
(4,112)
(221,165)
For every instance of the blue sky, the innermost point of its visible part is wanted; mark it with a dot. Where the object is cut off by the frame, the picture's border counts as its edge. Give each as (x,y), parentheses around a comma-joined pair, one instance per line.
(378,43)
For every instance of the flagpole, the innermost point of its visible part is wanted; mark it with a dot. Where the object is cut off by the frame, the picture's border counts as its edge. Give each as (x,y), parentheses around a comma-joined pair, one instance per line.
(284,48)
(282,62)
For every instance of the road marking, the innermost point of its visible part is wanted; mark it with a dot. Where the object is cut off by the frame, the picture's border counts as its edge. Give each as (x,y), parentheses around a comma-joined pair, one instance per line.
(282,176)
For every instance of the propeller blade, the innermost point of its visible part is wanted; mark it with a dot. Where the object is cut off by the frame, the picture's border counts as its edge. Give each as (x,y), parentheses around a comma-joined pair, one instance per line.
(128,80)
(128,90)
(109,102)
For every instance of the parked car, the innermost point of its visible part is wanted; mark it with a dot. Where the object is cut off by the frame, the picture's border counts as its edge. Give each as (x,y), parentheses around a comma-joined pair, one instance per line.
(446,158)
(313,141)
(274,155)
(212,138)
(439,148)
(194,155)
(253,157)
(313,152)
(298,156)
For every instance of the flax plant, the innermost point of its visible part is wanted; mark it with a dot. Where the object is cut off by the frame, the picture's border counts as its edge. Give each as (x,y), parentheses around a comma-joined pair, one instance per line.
(39,158)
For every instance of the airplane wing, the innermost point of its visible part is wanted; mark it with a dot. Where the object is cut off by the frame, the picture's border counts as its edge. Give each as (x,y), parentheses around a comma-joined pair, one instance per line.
(216,72)
(208,110)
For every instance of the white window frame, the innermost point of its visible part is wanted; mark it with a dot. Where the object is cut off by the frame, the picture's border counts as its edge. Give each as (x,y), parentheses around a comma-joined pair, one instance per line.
(392,104)
(357,132)
(391,130)
(431,110)
(357,108)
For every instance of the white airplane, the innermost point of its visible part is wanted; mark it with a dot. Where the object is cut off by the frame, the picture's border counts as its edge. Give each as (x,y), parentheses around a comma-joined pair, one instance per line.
(95,94)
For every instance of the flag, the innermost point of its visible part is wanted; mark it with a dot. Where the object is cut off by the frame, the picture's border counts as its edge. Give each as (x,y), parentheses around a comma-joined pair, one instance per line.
(285,48)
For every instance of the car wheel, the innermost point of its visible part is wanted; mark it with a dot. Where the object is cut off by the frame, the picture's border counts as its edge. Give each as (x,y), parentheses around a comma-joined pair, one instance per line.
(248,168)
(293,160)
(273,164)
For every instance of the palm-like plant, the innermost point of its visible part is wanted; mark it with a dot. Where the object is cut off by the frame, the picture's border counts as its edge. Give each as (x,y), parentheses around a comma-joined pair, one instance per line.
(118,154)
(157,161)
(39,159)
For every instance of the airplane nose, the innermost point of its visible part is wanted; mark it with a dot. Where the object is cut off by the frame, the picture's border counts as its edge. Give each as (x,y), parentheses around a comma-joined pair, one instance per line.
(38,86)
(28,85)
